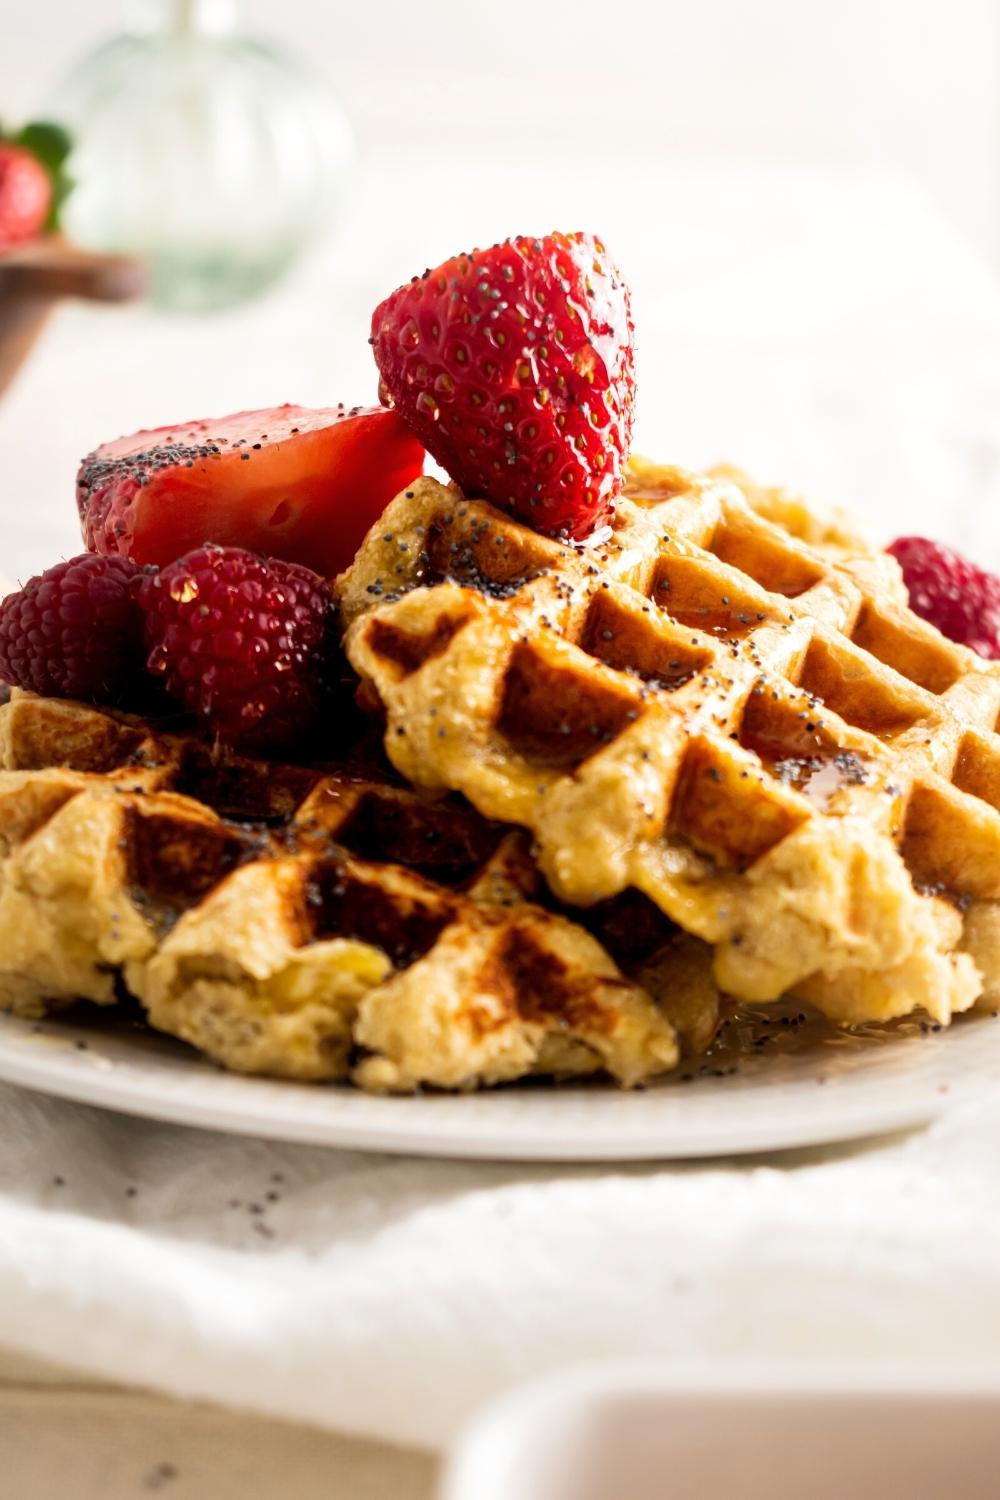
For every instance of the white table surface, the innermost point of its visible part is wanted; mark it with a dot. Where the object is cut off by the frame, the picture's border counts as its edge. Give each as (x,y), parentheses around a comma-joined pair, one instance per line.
(824,330)
(67,1437)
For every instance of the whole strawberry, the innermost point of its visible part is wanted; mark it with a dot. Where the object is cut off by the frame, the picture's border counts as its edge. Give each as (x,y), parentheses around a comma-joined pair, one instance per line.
(241,642)
(25,195)
(74,631)
(514,367)
(959,598)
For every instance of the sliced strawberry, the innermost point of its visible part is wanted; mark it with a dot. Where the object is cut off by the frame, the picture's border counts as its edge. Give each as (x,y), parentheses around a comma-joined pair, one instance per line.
(513,366)
(292,483)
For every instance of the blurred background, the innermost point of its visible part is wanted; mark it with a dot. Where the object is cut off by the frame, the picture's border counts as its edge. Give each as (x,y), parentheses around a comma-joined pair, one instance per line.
(805,197)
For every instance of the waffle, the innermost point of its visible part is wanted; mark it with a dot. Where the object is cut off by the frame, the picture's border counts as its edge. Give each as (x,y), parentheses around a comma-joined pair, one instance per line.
(314,922)
(725,705)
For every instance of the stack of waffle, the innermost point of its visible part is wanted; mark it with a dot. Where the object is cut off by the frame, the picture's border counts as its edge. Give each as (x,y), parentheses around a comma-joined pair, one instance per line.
(712,758)
(727,706)
(314,922)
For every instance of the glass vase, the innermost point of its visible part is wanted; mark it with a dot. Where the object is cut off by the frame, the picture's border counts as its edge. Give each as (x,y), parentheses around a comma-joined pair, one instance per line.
(215,157)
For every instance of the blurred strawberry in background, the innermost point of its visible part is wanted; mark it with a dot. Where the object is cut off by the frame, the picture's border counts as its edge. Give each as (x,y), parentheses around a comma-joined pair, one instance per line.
(25,196)
(33,183)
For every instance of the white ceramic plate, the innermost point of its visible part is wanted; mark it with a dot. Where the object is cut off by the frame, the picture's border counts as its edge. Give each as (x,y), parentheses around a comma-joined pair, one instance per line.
(801,1089)
(641,1430)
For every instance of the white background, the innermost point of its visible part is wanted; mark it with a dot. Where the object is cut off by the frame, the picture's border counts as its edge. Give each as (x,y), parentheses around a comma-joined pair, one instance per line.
(909,84)
(804,195)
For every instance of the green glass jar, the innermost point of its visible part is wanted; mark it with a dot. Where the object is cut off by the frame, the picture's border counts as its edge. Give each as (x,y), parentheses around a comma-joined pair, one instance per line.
(215,157)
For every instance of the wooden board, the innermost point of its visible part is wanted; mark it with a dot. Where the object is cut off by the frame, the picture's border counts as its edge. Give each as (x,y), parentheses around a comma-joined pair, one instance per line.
(35,276)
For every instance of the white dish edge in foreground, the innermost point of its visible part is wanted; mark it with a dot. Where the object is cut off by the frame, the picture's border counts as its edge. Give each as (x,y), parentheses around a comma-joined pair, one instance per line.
(634,1429)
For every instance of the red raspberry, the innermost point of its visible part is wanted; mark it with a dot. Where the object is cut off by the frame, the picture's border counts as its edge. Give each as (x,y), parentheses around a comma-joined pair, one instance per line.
(960,599)
(514,368)
(74,631)
(25,195)
(241,642)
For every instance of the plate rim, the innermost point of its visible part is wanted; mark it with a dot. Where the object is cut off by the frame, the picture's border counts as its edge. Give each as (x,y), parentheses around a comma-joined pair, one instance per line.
(46,1058)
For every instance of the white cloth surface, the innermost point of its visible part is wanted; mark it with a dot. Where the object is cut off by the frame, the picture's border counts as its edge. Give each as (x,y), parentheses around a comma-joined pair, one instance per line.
(390,1297)
(825,331)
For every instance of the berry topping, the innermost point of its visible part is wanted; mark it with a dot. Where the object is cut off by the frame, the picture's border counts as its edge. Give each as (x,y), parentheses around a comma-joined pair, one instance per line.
(292,483)
(514,368)
(25,195)
(74,631)
(960,599)
(241,642)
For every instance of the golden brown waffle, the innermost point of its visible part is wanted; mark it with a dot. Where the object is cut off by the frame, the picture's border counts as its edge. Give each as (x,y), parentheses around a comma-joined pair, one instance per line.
(833,532)
(310,921)
(726,705)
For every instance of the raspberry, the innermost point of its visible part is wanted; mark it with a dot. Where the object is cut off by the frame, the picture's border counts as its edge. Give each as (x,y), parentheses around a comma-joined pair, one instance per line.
(241,642)
(513,366)
(952,593)
(74,631)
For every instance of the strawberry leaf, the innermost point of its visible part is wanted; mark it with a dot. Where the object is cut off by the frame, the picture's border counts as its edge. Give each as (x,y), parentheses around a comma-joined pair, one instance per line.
(49,142)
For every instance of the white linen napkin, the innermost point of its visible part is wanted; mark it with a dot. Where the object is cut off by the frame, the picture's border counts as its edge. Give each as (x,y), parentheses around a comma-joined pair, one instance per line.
(388,1297)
